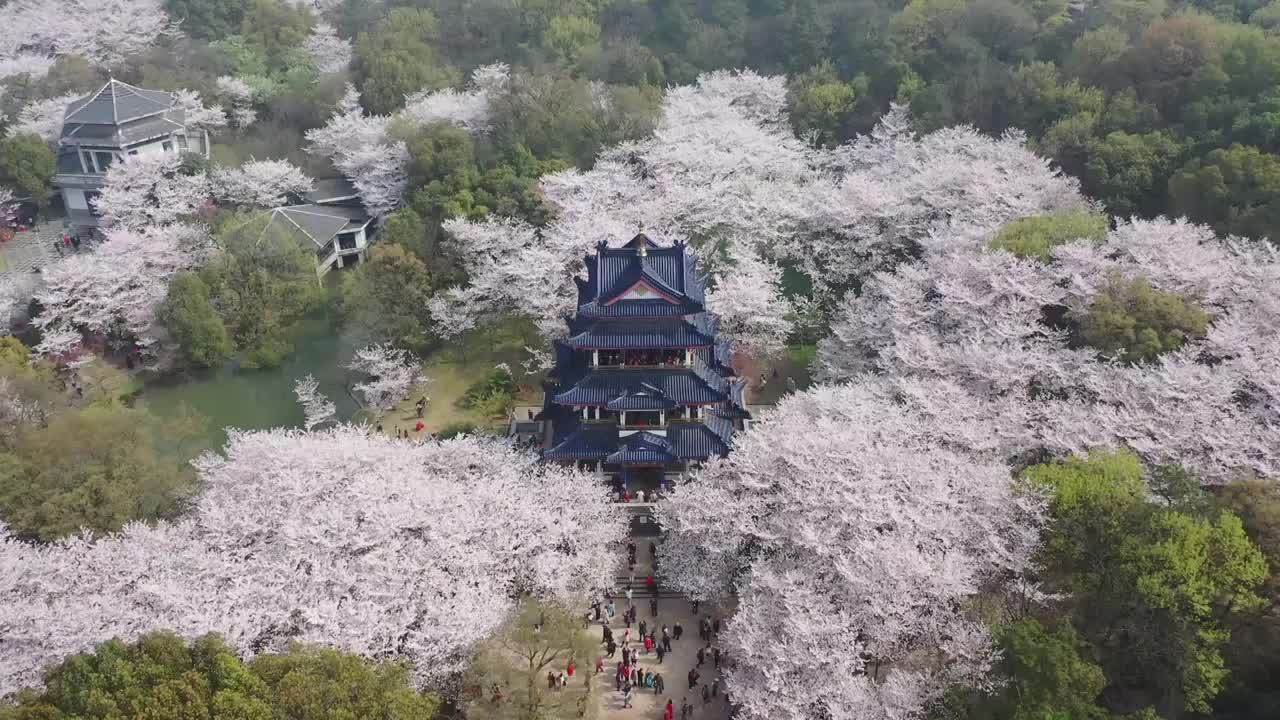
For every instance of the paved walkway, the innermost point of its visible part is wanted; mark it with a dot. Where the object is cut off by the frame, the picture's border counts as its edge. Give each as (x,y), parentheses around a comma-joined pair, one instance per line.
(30,249)
(675,665)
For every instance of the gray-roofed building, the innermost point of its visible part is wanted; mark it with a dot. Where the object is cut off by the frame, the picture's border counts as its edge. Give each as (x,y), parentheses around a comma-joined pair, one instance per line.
(116,122)
(641,390)
(337,234)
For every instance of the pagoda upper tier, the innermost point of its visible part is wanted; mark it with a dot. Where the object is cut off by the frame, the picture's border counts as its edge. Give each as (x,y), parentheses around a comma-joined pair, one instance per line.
(642,378)
(640,280)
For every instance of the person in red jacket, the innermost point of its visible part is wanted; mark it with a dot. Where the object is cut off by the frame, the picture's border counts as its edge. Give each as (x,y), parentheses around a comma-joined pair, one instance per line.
(569,669)
(670,712)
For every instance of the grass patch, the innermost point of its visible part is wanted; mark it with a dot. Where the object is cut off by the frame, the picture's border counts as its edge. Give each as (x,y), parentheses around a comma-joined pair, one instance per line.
(464,364)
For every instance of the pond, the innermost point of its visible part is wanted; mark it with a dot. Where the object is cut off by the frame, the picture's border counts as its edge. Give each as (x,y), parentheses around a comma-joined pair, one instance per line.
(259,399)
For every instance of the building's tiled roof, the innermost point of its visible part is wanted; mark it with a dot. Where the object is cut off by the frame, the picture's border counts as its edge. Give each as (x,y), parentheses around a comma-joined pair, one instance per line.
(647,397)
(642,448)
(587,334)
(684,386)
(332,190)
(313,226)
(669,271)
(699,441)
(117,103)
(581,441)
(577,440)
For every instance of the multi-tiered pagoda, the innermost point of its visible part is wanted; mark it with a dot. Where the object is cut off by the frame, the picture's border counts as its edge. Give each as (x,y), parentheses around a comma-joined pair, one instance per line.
(642,389)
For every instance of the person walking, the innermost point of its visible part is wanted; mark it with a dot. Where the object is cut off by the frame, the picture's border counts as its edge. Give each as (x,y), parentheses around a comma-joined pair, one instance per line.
(599,664)
(677,630)
(570,668)
(661,653)
(659,685)
(626,698)
(706,695)
(551,680)
(685,708)
(648,644)
(653,606)
(716,654)
(702,655)
(666,639)
(670,712)
(612,647)
(644,627)
(715,687)
(693,678)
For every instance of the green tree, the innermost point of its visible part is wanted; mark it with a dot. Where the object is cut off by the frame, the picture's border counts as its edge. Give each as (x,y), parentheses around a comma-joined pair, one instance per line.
(386,299)
(263,285)
(1128,172)
(159,676)
(190,318)
(1037,236)
(1131,321)
(163,676)
(399,59)
(571,37)
(26,165)
(96,468)
(309,683)
(1153,589)
(208,19)
(275,28)
(1048,677)
(821,104)
(508,677)
(1237,190)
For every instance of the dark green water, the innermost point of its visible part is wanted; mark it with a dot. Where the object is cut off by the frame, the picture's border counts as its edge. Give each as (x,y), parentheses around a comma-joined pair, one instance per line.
(259,399)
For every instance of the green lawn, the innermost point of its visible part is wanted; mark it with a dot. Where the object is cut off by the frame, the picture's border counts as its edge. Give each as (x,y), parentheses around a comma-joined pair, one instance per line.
(462,363)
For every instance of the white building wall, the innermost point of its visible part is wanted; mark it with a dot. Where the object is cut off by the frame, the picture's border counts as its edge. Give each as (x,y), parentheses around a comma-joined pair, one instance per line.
(74,199)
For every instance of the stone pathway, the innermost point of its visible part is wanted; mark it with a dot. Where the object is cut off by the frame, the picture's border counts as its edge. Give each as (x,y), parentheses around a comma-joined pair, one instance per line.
(31,249)
(675,665)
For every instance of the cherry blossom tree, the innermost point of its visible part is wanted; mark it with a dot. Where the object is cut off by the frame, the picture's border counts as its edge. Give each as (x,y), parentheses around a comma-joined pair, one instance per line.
(328,52)
(259,183)
(106,32)
(340,537)
(116,290)
(316,408)
(748,300)
(15,293)
(723,170)
(8,207)
(362,148)
(392,372)
(33,65)
(854,538)
(150,190)
(468,109)
(237,95)
(196,114)
(44,117)
(975,318)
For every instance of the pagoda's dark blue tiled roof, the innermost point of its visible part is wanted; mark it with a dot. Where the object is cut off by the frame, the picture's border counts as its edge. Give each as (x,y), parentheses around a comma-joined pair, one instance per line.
(577,440)
(669,271)
(647,398)
(685,386)
(699,441)
(587,334)
(642,448)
